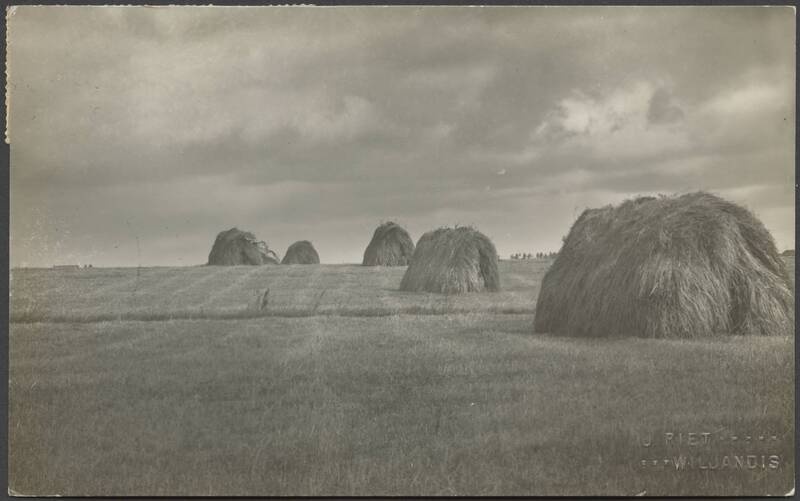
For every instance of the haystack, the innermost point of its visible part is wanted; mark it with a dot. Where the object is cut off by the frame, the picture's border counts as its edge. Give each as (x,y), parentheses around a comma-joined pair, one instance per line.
(234,247)
(301,252)
(452,261)
(390,246)
(690,266)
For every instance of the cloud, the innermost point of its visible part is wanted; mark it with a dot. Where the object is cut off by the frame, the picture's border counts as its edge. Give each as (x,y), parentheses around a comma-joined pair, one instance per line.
(325,120)
(750,98)
(618,124)
(662,108)
(354,117)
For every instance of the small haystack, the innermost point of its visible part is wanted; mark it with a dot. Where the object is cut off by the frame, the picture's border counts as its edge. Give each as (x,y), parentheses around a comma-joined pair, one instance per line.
(390,246)
(690,266)
(301,252)
(452,261)
(234,247)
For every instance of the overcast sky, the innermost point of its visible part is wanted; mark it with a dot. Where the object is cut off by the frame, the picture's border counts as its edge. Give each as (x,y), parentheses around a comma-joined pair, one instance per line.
(137,134)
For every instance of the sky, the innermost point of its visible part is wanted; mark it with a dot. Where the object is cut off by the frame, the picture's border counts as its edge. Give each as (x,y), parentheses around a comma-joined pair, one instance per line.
(139,133)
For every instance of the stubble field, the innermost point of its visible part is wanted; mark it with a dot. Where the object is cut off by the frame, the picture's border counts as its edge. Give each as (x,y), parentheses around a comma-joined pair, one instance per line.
(167,381)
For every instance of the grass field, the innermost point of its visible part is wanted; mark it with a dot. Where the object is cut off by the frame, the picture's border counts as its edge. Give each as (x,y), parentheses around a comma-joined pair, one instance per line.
(162,381)
(228,291)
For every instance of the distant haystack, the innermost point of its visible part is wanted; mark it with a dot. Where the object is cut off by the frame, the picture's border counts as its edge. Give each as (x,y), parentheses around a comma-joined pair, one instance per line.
(301,252)
(788,253)
(234,247)
(690,266)
(390,246)
(452,261)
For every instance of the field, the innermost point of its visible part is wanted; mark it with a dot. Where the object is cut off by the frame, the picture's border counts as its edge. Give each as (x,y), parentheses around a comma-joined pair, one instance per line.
(167,381)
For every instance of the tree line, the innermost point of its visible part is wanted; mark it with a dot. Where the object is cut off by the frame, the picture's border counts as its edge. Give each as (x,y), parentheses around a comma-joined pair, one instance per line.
(538,255)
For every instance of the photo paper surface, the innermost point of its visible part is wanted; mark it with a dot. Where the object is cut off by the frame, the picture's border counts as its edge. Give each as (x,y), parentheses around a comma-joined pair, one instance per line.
(401,251)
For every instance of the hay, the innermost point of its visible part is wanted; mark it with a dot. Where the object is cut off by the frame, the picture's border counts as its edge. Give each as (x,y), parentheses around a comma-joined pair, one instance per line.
(452,261)
(301,252)
(691,266)
(390,246)
(235,247)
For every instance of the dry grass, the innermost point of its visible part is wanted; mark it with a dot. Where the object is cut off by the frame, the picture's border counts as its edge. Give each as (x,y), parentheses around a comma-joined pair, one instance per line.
(391,245)
(453,261)
(302,252)
(673,267)
(400,405)
(225,292)
(461,400)
(235,247)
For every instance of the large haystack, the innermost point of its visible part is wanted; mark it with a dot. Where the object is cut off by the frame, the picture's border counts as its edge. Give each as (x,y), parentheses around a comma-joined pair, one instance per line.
(452,261)
(301,252)
(390,246)
(234,246)
(690,266)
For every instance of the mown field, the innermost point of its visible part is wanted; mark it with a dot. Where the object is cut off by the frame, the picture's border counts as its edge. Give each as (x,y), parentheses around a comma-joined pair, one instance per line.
(166,381)
(229,291)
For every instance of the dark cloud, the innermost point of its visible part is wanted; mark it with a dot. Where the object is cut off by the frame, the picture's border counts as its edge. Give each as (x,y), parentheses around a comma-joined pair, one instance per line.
(662,108)
(174,123)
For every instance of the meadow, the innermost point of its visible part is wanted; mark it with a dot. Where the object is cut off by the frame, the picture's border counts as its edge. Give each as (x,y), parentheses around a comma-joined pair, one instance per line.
(229,292)
(161,381)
